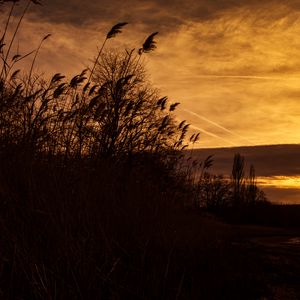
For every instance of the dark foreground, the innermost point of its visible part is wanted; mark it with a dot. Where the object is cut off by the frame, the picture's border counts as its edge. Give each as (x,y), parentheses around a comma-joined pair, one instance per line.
(193,257)
(106,232)
(278,250)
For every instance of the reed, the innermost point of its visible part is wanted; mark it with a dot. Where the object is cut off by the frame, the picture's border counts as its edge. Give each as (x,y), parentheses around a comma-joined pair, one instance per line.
(92,200)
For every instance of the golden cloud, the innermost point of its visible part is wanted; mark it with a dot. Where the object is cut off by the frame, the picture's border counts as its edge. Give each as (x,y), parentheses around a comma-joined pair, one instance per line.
(237,65)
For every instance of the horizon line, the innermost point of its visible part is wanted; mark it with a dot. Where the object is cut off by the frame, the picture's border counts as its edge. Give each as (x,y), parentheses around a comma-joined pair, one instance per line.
(247,146)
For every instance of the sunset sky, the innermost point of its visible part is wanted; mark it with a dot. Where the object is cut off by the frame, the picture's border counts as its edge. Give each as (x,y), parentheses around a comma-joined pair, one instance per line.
(233,65)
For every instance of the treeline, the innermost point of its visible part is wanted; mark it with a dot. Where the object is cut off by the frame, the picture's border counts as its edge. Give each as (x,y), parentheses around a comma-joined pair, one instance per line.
(218,192)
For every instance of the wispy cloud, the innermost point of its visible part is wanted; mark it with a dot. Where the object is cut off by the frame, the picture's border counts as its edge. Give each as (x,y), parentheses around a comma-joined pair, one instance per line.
(235,62)
(219,126)
(241,69)
(228,142)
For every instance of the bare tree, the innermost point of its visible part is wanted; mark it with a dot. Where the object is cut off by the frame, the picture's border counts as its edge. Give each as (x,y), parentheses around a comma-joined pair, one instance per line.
(128,111)
(237,179)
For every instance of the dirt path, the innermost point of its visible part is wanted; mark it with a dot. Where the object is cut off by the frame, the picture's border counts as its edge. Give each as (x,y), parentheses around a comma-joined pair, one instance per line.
(279,252)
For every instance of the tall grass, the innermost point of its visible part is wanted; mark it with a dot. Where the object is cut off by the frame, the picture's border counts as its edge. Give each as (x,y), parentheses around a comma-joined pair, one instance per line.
(112,112)
(91,200)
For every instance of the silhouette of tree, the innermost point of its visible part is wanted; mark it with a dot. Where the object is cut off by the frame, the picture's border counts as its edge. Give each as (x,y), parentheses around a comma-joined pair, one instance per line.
(252,189)
(215,192)
(253,194)
(237,179)
(130,113)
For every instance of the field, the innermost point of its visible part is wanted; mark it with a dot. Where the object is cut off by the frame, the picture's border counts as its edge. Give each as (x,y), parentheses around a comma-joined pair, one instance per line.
(109,232)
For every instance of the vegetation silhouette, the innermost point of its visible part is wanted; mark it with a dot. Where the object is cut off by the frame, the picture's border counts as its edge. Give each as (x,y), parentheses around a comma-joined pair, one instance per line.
(95,188)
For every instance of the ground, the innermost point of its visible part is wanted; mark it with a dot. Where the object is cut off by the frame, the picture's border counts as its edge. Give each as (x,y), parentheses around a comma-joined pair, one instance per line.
(262,262)
(279,251)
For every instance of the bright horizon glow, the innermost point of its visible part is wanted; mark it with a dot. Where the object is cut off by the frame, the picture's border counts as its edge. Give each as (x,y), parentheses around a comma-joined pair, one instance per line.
(283,182)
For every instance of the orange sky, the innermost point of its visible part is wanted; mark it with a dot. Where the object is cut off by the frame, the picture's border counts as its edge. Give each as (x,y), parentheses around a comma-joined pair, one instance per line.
(233,65)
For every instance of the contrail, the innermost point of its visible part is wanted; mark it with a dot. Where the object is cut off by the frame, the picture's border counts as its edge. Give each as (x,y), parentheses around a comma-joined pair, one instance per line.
(213,135)
(217,125)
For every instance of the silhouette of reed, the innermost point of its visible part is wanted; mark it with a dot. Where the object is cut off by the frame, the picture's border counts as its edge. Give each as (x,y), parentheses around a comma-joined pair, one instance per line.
(112,112)
(116,29)
(93,190)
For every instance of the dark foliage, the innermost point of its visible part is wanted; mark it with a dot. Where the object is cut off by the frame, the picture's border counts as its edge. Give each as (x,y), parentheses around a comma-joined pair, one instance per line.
(92,193)
(100,231)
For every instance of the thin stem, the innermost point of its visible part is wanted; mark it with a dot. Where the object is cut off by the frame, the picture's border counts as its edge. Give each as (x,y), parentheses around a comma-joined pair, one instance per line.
(3,38)
(34,59)
(7,22)
(96,61)
(15,33)
(137,63)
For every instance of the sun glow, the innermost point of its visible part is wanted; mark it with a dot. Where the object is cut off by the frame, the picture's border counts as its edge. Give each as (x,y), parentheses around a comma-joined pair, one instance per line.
(284,182)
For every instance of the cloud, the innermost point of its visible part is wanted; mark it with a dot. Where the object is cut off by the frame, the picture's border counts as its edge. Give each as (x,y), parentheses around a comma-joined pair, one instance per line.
(234,62)
(237,69)
(269,161)
(163,14)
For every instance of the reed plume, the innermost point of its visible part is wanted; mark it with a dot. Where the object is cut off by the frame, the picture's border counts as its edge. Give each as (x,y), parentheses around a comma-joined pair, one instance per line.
(149,44)
(116,29)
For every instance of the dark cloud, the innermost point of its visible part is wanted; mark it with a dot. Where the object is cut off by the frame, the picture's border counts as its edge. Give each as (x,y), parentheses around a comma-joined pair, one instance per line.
(274,160)
(79,13)
(162,14)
